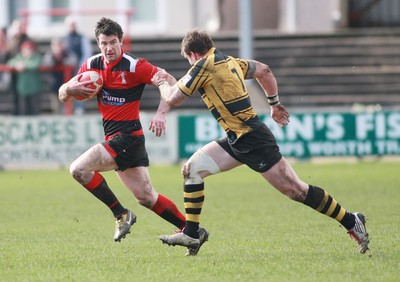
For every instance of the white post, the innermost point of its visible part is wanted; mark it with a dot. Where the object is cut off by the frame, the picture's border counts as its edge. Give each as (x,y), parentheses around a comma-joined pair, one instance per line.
(245,29)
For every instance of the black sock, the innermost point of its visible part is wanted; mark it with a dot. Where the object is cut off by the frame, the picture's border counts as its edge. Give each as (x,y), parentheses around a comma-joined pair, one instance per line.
(104,194)
(320,200)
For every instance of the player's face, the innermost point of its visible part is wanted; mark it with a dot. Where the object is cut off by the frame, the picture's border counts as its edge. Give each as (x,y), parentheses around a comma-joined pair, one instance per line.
(110,46)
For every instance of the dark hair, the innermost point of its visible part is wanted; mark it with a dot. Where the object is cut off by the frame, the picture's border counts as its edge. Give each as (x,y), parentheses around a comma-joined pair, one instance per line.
(197,42)
(108,27)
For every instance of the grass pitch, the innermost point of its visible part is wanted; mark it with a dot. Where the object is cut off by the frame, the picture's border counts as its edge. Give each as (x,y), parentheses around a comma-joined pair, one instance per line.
(51,229)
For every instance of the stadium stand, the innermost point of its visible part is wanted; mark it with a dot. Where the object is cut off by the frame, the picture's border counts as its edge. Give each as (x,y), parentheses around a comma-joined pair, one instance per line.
(313,71)
(319,71)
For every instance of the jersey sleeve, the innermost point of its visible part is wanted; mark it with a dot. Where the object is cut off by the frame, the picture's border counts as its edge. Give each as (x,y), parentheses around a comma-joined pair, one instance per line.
(145,71)
(83,68)
(195,78)
(244,65)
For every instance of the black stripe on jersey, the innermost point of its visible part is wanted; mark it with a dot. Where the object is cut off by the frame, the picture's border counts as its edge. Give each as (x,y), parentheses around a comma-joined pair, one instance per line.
(126,64)
(243,66)
(239,106)
(219,56)
(95,62)
(221,62)
(195,72)
(129,95)
(113,126)
(215,113)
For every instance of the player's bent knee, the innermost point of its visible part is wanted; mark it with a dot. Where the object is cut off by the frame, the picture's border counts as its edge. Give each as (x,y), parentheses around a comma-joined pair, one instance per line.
(200,161)
(73,170)
(77,173)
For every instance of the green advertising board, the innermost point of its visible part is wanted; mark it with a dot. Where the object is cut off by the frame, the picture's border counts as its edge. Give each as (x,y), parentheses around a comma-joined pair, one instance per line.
(308,134)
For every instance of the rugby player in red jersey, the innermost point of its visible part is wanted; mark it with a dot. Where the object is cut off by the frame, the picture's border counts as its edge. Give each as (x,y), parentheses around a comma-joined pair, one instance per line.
(123,149)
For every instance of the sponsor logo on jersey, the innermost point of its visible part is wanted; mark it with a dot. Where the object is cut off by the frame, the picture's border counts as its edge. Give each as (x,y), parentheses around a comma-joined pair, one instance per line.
(107,99)
(186,79)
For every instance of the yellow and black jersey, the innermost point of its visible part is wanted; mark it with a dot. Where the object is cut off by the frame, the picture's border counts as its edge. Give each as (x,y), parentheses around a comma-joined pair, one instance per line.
(220,80)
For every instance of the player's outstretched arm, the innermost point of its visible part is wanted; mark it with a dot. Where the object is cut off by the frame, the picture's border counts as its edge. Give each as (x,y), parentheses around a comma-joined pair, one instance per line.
(166,76)
(171,94)
(158,122)
(264,76)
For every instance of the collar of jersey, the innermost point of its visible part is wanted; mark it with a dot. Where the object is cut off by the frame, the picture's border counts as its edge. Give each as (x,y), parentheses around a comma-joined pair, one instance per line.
(211,51)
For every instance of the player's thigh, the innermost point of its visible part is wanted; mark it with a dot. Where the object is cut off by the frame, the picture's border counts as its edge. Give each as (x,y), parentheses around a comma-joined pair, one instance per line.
(137,180)
(94,159)
(221,157)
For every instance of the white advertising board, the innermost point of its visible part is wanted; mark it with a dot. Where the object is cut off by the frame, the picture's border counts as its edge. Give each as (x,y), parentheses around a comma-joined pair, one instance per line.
(55,141)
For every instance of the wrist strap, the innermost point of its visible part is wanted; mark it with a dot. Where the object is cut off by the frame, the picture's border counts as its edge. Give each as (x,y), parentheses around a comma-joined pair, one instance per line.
(273,100)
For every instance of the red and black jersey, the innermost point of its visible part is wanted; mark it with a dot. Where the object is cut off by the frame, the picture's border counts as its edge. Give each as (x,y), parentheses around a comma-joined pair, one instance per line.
(123,84)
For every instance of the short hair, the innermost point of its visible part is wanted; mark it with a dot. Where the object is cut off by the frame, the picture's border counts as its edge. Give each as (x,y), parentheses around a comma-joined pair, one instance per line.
(196,41)
(108,27)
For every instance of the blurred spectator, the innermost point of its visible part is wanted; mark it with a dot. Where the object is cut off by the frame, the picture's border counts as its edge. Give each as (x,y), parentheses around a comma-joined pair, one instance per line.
(18,35)
(4,55)
(80,46)
(28,78)
(58,56)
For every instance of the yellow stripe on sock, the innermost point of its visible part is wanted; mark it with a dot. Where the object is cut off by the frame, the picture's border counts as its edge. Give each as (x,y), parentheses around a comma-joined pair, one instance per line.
(331,208)
(341,214)
(192,195)
(323,202)
(188,205)
(193,217)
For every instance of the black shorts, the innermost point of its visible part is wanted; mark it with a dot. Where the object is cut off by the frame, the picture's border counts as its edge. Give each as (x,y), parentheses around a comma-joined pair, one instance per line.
(257,149)
(127,150)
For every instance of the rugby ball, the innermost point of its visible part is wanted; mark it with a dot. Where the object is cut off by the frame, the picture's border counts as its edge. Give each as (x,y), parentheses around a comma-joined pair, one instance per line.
(95,78)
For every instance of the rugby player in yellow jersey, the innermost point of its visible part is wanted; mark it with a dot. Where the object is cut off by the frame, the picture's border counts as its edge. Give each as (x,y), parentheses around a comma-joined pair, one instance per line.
(219,79)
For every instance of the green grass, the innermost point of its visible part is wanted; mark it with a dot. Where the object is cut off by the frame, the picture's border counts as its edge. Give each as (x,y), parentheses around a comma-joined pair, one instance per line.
(51,229)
